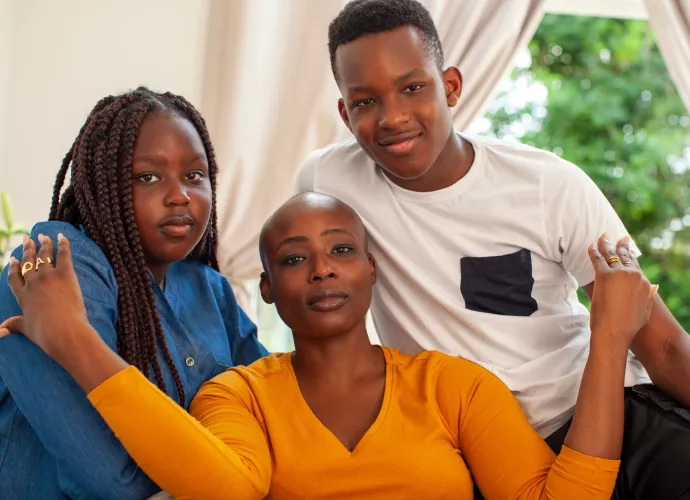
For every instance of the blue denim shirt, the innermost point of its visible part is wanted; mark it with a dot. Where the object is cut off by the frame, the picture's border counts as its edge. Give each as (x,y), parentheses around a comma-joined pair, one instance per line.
(53,443)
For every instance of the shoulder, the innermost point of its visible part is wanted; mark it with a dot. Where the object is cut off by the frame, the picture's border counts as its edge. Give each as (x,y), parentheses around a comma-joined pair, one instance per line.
(442,367)
(514,154)
(557,177)
(244,379)
(338,160)
(79,241)
(90,262)
(512,150)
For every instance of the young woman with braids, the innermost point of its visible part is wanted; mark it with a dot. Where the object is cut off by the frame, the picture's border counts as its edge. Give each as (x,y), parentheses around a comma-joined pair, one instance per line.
(140,212)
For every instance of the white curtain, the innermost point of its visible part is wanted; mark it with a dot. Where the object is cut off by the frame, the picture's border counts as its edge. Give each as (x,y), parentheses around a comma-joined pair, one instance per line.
(482,38)
(269,98)
(670,21)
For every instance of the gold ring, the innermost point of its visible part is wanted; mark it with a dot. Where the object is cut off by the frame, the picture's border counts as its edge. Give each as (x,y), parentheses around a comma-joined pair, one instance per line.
(28,266)
(612,259)
(40,261)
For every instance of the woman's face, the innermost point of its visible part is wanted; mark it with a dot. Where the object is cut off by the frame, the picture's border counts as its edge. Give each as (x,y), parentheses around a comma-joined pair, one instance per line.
(171,189)
(318,271)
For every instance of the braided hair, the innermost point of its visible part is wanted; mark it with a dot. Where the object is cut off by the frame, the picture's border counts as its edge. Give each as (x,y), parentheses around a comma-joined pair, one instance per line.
(99,198)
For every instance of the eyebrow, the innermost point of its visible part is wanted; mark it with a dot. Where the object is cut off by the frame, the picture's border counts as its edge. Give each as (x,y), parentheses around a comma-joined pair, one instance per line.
(156,159)
(397,79)
(302,239)
(148,159)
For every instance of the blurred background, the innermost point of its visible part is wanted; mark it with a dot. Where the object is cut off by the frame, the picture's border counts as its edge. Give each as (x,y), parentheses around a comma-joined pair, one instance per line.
(602,83)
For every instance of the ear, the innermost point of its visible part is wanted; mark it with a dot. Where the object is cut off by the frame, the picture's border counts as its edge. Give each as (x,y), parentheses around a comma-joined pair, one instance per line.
(265,288)
(372,265)
(452,84)
(343,114)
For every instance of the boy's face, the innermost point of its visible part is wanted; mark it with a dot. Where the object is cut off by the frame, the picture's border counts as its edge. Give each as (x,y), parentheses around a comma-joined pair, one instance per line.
(395,101)
(318,272)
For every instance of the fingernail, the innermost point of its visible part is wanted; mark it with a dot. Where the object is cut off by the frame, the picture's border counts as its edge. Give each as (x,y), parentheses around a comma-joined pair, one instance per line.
(4,331)
(13,260)
(605,236)
(61,236)
(25,239)
(41,239)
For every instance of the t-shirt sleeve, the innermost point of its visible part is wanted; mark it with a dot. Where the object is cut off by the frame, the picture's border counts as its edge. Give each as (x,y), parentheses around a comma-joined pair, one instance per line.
(506,457)
(304,180)
(219,451)
(576,214)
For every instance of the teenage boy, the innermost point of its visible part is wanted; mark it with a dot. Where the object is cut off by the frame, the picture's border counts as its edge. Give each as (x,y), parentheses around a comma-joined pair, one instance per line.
(481,244)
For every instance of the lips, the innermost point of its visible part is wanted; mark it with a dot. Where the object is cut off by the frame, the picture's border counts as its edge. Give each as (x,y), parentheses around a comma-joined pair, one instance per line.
(177,226)
(327,300)
(400,144)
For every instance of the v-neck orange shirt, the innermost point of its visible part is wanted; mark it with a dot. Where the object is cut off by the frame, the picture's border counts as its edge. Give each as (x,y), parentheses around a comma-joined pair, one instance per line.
(441,418)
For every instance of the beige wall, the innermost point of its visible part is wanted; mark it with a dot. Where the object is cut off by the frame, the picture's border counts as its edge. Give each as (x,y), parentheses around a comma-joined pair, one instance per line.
(7,10)
(58,58)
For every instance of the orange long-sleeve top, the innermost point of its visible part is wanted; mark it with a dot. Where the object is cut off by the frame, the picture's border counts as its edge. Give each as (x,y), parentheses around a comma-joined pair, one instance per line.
(251,434)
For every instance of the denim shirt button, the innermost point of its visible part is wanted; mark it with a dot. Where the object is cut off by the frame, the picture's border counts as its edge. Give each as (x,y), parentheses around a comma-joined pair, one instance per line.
(189,361)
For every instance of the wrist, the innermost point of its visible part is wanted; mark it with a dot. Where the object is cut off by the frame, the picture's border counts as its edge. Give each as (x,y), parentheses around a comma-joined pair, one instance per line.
(73,341)
(608,346)
(86,357)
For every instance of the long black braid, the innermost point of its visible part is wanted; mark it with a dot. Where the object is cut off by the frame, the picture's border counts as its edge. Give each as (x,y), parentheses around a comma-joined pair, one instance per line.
(99,198)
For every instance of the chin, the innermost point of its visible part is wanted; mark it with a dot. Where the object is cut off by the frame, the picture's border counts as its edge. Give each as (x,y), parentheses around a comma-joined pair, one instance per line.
(174,255)
(407,172)
(331,325)
(406,168)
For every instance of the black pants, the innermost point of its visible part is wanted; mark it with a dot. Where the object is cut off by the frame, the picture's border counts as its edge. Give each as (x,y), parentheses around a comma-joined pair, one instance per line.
(655,462)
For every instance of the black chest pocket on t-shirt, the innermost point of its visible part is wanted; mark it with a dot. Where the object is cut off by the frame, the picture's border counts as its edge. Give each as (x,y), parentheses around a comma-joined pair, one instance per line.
(499,285)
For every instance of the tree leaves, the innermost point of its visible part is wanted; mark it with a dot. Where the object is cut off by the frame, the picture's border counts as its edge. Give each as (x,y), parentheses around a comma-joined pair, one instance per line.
(9,228)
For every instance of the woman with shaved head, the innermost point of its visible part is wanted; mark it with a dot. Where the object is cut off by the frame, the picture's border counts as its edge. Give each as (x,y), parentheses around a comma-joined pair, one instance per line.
(339,417)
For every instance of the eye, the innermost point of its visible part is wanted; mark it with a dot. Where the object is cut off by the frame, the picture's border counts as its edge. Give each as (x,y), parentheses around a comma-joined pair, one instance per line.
(148,178)
(362,103)
(343,249)
(195,176)
(293,260)
(415,87)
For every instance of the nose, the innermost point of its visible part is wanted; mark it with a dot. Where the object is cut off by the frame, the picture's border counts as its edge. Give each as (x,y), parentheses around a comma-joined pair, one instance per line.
(177,195)
(393,115)
(321,270)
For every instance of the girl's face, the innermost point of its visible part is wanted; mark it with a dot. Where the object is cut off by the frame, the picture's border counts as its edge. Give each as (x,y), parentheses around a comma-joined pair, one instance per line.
(171,189)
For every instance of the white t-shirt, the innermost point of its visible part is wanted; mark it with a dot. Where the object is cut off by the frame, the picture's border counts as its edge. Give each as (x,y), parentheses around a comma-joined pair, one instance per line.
(487,268)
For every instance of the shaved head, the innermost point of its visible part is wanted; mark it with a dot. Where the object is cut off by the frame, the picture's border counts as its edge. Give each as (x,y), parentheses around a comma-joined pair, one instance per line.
(300,208)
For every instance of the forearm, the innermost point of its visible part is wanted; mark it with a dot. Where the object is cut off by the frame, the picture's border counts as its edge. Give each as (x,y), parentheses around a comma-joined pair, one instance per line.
(672,375)
(176,450)
(84,355)
(663,347)
(144,419)
(597,428)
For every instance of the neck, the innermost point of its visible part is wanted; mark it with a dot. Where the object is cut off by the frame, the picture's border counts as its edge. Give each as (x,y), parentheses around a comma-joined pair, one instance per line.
(159,271)
(341,358)
(452,164)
